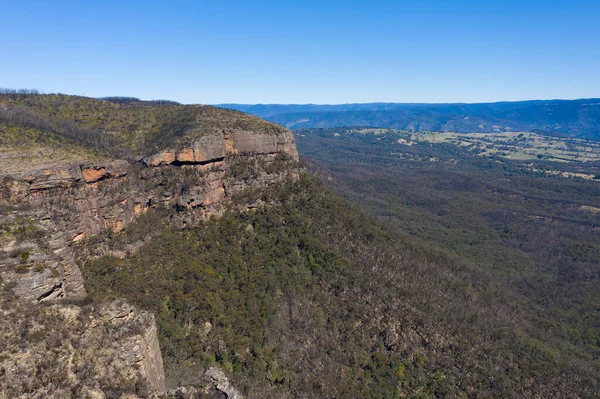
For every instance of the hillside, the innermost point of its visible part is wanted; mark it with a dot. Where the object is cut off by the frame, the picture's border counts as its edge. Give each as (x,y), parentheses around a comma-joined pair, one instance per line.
(209,262)
(573,118)
(66,179)
(118,129)
(532,224)
(307,297)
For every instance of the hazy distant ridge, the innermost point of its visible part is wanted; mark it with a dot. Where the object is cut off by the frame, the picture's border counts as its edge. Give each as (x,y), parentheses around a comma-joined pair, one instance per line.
(575,118)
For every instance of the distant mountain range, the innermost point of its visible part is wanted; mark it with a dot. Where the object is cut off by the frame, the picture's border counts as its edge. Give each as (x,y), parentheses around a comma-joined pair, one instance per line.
(573,118)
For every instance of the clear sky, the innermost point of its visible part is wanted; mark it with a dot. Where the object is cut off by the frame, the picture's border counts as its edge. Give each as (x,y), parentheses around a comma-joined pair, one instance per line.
(304,51)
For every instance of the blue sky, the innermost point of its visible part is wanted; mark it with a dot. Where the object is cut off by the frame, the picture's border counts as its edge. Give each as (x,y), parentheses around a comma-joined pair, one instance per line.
(304,51)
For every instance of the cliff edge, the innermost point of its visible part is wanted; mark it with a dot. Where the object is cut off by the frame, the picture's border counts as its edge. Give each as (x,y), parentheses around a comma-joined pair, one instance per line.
(72,169)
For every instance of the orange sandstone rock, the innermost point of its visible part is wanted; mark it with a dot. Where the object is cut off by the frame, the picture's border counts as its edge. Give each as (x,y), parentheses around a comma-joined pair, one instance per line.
(118,226)
(91,175)
(214,196)
(163,158)
(186,155)
(139,210)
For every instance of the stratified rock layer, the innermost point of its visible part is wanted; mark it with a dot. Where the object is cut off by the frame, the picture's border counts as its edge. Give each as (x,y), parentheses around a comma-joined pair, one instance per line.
(47,212)
(64,350)
(73,201)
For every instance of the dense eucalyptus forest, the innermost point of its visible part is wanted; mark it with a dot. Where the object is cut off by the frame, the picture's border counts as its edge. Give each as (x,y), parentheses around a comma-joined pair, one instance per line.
(530,228)
(435,295)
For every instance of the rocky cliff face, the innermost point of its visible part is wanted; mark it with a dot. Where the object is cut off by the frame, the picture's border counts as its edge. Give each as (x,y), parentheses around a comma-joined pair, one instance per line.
(46,212)
(61,351)
(69,202)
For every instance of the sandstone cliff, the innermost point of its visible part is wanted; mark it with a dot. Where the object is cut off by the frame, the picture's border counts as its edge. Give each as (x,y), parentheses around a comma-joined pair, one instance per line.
(55,196)
(60,351)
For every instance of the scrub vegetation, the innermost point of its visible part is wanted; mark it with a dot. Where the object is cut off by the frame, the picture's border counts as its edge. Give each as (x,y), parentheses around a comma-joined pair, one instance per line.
(308,297)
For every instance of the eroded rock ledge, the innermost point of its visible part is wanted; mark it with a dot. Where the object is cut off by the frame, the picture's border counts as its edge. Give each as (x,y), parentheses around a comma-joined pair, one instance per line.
(47,212)
(64,351)
(214,383)
(69,203)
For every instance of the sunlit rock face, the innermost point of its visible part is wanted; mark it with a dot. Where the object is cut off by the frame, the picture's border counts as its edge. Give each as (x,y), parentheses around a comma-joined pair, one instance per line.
(48,211)
(67,203)
(63,350)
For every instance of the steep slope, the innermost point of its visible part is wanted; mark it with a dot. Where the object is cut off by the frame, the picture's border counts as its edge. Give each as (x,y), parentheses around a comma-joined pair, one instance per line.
(532,224)
(307,297)
(66,174)
(236,267)
(62,185)
(574,118)
(73,351)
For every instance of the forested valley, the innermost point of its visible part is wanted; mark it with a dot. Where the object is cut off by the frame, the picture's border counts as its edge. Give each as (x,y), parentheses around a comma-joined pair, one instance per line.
(309,296)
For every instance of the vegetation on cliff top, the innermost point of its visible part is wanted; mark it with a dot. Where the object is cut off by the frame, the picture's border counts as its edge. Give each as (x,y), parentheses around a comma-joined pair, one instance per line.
(308,297)
(119,128)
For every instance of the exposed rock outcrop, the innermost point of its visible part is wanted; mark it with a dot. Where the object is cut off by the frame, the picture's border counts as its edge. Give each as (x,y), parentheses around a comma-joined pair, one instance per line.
(214,148)
(47,212)
(70,202)
(65,350)
(222,383)
(214,383)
